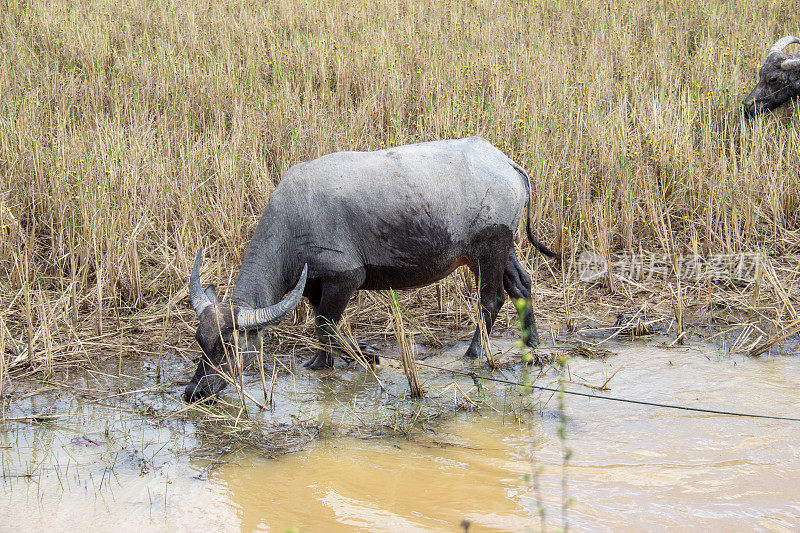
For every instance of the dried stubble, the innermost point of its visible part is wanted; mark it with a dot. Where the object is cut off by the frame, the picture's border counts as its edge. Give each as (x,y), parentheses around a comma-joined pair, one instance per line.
(132,131)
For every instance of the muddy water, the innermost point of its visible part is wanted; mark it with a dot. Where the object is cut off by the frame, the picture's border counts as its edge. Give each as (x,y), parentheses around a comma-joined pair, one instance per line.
(106,463)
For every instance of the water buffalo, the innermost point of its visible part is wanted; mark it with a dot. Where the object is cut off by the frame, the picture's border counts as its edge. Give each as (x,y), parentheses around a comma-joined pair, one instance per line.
(398,218)
(779,79)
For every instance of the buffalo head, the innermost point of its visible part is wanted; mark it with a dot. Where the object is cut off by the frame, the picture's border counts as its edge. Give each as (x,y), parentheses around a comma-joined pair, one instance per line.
(227,332)
(779,79)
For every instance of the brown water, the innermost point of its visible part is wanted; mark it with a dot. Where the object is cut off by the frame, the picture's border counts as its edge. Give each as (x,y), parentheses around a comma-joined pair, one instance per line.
(632,467)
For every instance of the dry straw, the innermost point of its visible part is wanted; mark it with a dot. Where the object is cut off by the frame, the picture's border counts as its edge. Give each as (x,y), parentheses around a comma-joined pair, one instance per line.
(130,132)
(406,348)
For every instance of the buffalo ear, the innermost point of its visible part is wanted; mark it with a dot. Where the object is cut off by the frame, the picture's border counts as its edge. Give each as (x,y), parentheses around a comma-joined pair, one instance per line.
(211,292)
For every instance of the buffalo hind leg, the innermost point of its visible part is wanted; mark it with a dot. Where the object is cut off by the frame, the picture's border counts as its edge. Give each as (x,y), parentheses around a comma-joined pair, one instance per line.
(489,277)
(332,303)
(517,284)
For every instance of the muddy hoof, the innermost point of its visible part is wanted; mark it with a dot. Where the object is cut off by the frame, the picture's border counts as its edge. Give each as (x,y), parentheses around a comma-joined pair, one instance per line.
(531,341)
(471,353)
(371,357)
(320,361)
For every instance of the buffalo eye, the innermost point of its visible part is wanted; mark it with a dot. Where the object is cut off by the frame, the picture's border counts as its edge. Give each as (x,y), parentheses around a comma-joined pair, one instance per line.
(773,78)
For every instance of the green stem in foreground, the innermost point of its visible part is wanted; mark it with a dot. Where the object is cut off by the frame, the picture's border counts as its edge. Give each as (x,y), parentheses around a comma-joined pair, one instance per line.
(566,452)
(523,307)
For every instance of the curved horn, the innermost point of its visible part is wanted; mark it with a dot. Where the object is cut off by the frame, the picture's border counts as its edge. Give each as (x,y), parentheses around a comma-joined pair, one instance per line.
(256,318)
(791,64)
(200,299)
(778,47)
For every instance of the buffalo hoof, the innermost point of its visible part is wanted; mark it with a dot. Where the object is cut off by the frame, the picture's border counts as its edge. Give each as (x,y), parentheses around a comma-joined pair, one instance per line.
(320,361)
(471,353)
(531,341)
(371,357)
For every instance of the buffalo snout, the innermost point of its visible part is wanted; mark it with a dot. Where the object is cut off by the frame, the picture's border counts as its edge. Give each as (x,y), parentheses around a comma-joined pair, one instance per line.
(202,390)
(194,392)
(749,108)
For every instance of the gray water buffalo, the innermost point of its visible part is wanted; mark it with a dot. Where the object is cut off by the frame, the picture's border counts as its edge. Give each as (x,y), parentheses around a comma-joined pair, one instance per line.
(399,218)
(779,79)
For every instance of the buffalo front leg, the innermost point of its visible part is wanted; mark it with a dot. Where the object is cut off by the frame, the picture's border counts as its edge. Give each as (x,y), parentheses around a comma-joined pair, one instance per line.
(332,303)
(517,284)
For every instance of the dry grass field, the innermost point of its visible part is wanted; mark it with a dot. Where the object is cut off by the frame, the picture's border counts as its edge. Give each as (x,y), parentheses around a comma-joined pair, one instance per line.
(132,132)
